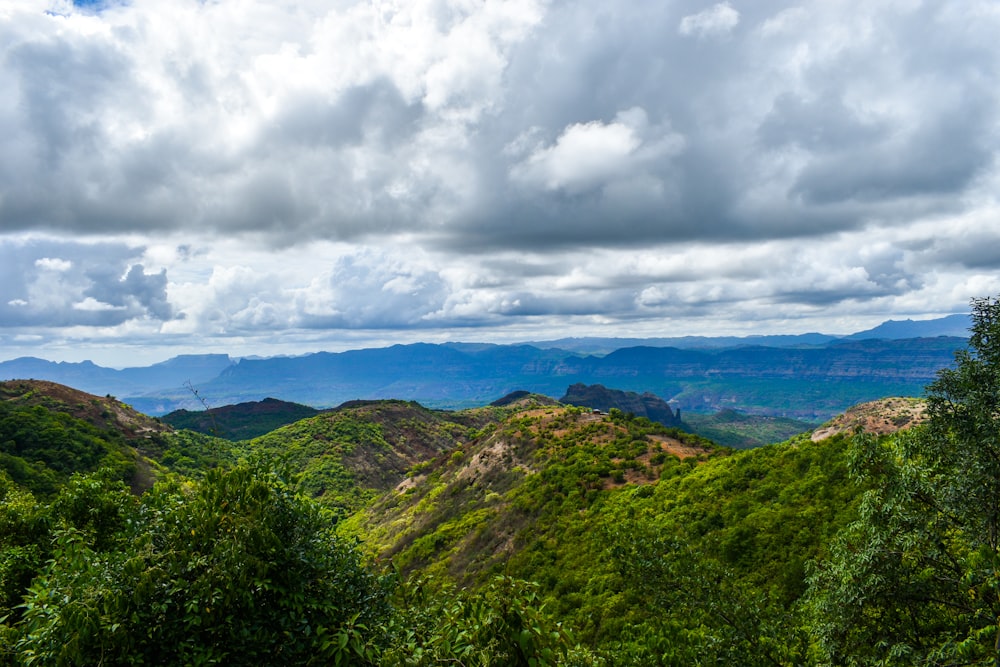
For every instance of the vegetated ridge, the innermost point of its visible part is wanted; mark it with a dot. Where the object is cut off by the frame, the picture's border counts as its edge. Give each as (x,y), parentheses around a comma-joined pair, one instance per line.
(739,430)
(564,497)
(347,456)
(471,511)
(880,417)
(49,431)
(105,413)
(241,421)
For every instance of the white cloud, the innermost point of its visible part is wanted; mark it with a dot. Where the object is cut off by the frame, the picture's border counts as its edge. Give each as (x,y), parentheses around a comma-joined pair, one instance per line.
(302,171)
(718,19)
(53,264)
(584,155)
(93,305)
(593,154)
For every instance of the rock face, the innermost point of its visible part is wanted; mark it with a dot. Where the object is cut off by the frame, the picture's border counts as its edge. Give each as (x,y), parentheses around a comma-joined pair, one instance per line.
(599,397)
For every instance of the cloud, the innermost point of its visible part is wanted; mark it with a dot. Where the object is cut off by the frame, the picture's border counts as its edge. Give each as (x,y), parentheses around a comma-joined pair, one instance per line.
(242,169)
(718,19)
(371,290)
(584,155)
(596,155)
(448,121)
(59,284)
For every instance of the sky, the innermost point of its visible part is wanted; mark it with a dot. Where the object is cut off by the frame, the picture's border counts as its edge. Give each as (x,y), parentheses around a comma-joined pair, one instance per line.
(265,177)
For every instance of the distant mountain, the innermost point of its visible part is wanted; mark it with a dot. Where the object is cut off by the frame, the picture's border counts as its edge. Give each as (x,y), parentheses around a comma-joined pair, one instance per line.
(601,398)
(94,379)
(601,346)
(953,325)
(810,377)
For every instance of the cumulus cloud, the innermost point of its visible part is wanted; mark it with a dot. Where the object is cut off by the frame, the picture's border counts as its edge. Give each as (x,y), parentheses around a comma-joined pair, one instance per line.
(371,290)
(595,154)
(57,284)
(495,164)
(716,20)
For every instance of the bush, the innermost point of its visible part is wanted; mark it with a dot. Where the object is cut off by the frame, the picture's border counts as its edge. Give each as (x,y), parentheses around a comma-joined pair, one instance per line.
(237,569)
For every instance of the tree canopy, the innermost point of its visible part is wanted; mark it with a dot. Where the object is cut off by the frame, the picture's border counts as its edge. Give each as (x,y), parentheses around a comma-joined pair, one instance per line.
(916,579)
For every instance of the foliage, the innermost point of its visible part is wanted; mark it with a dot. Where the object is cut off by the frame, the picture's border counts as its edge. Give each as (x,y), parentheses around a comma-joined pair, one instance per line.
(24,527)
(192,454)
(716,555)
(501,624)
(40,447)
(916,580)
(236,569)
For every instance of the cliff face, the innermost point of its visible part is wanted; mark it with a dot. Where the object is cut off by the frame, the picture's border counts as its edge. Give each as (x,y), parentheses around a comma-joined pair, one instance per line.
(601,398)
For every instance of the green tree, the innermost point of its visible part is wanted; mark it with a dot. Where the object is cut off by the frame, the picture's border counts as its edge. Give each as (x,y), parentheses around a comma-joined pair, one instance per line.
(236,569)
(501,624)
(916,580)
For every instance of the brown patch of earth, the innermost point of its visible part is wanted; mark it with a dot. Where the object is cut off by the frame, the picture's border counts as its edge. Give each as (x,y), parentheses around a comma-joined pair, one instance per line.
(880,417)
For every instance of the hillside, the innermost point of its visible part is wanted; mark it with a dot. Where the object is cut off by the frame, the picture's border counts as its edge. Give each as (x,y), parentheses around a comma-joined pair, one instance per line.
(559,496)
(49,431)
(347,456)
(622,524)
(472,510)
(242,421)
(880,417)
(105,413)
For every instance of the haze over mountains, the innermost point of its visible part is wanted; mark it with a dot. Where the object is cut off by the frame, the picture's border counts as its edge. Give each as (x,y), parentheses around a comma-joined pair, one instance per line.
(810,376)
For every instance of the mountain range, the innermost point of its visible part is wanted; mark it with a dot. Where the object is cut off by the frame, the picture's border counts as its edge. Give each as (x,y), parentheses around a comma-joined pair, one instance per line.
(808,377)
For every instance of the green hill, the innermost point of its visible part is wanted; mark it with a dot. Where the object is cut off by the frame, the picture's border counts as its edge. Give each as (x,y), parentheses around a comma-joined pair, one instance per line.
(568,498)
(347,456)
(241,421)
(577,502)
(521,533)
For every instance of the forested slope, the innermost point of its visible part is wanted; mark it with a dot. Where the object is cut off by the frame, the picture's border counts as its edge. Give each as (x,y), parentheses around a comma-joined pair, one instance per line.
(525,533)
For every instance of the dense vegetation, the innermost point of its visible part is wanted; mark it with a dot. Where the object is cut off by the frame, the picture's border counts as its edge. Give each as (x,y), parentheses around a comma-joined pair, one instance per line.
(735,429)
(240,422)
(520,534)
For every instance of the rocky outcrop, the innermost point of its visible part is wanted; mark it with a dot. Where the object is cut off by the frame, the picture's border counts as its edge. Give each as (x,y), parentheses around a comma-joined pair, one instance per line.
(601,398)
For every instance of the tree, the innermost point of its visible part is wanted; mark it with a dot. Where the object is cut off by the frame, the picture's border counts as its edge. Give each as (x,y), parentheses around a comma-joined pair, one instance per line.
(235,569)
(916,579)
